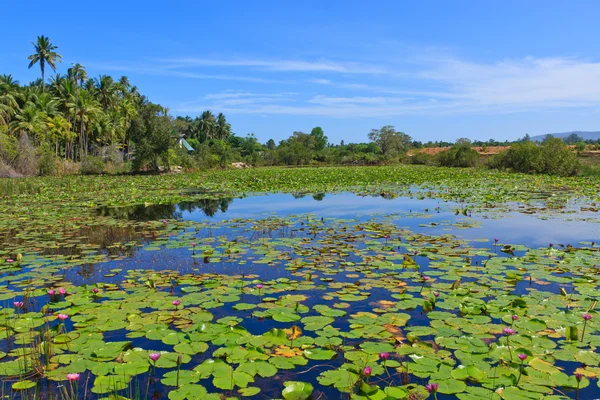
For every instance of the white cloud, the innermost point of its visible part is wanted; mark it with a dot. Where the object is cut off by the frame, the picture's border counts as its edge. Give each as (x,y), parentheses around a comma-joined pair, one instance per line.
(422,86)
(278,65)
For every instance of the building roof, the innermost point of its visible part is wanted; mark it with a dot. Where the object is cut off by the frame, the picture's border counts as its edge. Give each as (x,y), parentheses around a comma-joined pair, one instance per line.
(185,144)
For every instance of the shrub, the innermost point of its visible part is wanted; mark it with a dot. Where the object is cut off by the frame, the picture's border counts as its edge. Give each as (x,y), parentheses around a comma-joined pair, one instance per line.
(47,163)
(26,162)
(92,165)
(550,157)
(461,156)
(421,158)
(68,167)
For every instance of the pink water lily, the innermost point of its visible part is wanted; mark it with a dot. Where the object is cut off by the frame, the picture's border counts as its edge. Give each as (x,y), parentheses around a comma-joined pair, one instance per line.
(587,316)
(384,356)
(522,356)
(176,302)
(51,292)
(73,377)
(95,290)
(10,260)
(62,291)
(367,371)
(154,356)
(62,317)
(259,286)
(432,387)
(18,304)
(509,331)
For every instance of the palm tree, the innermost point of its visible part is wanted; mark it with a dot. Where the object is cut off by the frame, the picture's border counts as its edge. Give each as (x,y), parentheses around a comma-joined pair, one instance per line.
(28,121)
(59,128)
(9,94)
(106,90)
(222,128)
(207,126)
(44,53)
(78,75)
(88,110)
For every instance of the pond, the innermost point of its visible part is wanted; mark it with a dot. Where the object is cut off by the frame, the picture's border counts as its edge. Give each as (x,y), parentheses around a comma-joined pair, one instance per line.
(281,296)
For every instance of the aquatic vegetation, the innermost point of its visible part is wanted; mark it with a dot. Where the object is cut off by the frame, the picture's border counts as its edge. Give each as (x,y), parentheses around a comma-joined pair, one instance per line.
(408,303)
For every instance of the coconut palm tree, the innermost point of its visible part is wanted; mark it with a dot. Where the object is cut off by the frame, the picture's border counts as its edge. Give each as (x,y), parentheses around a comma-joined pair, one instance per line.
(88,110)
(58,127)
(78,75)
(222,127)
(9,94)
(44,53)
(28,121)
(105,86)
(207,125)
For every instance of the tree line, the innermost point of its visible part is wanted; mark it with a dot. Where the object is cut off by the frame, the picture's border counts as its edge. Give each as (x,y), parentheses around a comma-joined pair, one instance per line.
(102,124)
(95,121)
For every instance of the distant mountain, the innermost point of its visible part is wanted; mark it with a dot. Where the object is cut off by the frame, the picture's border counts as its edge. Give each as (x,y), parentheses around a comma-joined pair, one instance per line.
(583,135)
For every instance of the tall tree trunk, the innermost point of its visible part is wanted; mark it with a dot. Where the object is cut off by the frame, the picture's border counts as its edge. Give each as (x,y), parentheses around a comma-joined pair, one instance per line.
(81,141)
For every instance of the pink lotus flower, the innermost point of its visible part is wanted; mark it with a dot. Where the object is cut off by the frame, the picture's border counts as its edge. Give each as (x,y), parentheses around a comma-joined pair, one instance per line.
(587,316)
(62,317)
(154,356)
(522,356)
(18,304)
(367,371)
(73,377)
(51,292)
(176,302)
(432,387)
(509,331)
(384,356)
(62,291)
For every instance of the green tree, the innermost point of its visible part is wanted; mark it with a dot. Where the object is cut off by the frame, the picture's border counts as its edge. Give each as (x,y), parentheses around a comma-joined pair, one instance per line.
(151,132)
(44,53)
(319,138)
(390,141)
(206,126)
(9,94)
(271,144)
(222,150)
(222,128)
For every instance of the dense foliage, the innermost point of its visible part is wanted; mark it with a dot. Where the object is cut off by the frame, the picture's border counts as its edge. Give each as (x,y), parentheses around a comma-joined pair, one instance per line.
(460,155)
(549,157)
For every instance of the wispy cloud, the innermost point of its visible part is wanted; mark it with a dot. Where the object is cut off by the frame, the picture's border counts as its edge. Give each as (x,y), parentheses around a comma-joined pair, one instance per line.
(424,86)
(278,65)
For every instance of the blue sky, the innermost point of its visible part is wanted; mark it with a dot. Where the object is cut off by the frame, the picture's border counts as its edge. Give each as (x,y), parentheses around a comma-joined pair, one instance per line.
(437,70)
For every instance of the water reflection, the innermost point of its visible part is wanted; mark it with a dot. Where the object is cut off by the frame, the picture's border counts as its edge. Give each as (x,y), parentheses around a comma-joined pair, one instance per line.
(154,212)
